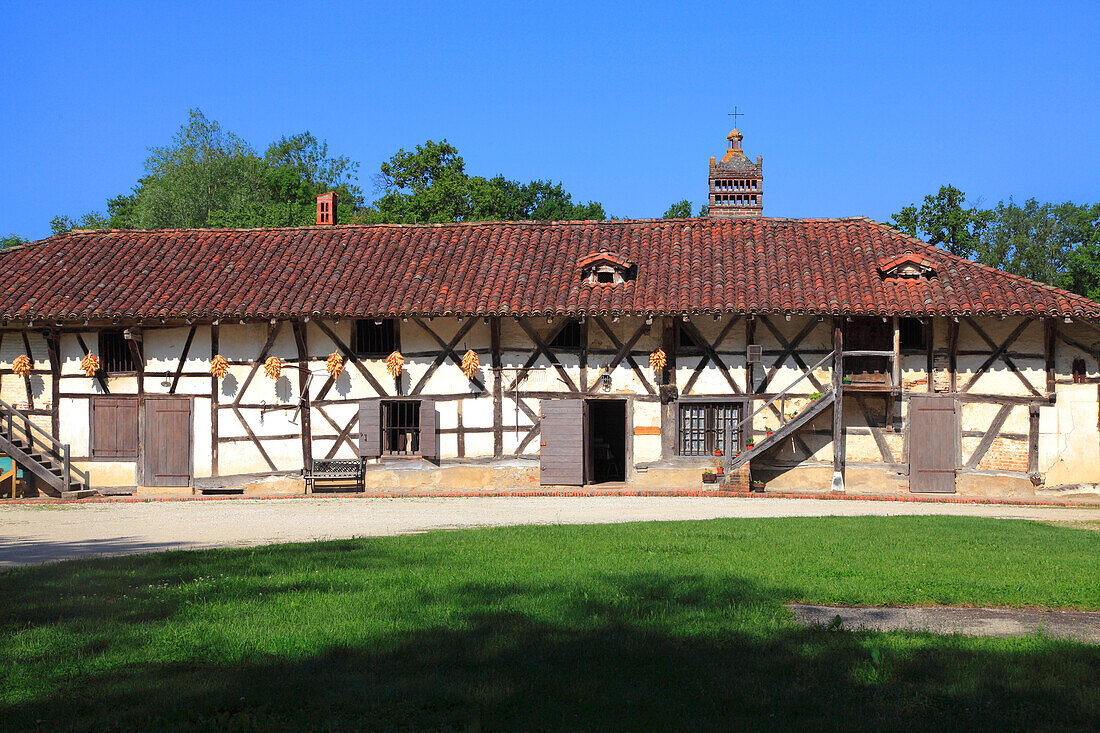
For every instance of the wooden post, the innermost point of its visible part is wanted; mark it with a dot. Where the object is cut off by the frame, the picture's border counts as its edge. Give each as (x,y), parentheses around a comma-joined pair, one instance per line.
(584,356)
(498,397)
(667,389)
(213,404)
(750,368)
(895,372)
(838,405)
(930,365)
(53,349)
(953,353)
(303,394)
(1051,342)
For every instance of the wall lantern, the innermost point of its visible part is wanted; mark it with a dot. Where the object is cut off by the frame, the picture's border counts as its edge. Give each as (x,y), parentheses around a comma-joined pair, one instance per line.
(605,382)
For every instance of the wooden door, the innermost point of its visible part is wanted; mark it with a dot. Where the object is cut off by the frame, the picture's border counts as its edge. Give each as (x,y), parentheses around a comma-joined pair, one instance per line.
(933,443)
(166,443)
(561,453)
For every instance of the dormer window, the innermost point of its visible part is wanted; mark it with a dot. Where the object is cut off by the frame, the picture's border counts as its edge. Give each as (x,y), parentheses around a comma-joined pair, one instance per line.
(605,268)
(907,265)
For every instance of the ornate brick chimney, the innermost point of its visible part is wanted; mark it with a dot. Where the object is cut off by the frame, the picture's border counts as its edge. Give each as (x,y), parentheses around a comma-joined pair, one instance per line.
(326,209)
(736,184)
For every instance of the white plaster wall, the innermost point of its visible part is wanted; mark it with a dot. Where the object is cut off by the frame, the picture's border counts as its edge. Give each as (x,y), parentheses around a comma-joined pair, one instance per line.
(1027,352)
(1069,437)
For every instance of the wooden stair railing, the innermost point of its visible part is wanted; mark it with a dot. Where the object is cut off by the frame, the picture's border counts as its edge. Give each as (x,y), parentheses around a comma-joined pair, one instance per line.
(40,454)
(786,427)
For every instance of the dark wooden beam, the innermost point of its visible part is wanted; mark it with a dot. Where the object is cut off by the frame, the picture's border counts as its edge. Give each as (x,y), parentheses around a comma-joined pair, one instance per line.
(750,367)
(183,359)
(53,349)
(839,442)
(669,390)
(303,394)
(139,364)
(953,354)
(1033,439)
(498,397)
(1051,339)
(990,435)
(99,374)
(930,357)
(215,390)
(27,377)
(351,358)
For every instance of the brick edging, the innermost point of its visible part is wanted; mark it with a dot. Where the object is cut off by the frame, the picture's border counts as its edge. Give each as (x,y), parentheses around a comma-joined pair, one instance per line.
(583,493)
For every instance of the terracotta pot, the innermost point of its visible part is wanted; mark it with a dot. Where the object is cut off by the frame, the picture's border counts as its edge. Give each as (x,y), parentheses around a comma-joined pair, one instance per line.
(709,478)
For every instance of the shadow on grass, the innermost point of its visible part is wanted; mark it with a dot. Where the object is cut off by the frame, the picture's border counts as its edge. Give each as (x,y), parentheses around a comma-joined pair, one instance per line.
(621,651)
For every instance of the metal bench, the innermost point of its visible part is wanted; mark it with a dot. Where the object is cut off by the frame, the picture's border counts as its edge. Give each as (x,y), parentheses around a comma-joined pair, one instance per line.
(334,472)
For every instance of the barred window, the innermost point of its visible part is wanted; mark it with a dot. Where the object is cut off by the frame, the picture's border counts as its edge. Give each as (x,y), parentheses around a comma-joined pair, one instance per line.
(569,338)
(401,428)
(376,338)
(114,352)
(703,427)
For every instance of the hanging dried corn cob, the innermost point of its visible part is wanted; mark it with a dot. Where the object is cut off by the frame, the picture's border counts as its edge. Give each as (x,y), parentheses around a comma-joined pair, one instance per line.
(273,367)
(21,365)
(394,364)
(657,360)
(334,365)
(90,364)
(470,364)
(219,366)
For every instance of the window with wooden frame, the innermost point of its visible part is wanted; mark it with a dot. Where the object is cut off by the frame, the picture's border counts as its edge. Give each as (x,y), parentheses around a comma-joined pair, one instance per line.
(702,427)
(115,354)
(568,338)
(913,335)
(401,428)
(376,338)
(114,428)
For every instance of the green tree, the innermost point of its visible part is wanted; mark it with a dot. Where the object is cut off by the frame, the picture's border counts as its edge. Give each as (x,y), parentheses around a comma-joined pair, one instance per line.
(210,177)
(679,210)
(1052,243)
(12,240)
(430,185)
(944,220)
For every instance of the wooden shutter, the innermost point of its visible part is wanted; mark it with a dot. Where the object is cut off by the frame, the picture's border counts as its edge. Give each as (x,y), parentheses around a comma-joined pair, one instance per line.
(933,443)
(429,439)
(561,456)
(114,431)
(370,429)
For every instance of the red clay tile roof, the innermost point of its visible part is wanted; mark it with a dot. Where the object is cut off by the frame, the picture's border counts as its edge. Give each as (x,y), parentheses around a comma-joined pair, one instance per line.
(816,266)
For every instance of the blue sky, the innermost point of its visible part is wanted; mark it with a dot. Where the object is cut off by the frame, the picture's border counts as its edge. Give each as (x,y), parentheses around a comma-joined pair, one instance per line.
(857,109)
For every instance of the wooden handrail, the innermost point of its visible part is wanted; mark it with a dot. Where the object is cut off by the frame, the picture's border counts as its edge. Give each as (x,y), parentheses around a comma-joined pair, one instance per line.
(784,392)
(11,418)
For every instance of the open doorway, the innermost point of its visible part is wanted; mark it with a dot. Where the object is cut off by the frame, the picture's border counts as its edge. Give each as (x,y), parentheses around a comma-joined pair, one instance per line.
(606,441)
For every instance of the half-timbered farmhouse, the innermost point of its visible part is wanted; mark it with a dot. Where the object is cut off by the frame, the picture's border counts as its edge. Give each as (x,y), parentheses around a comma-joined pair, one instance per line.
(811,353)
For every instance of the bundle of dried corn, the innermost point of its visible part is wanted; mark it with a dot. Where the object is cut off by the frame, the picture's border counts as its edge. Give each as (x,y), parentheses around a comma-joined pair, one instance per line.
(273,367)
(394,364)
(470,364)
(657,360)
(219,366)
(334,365)
(90,364)
(21,365)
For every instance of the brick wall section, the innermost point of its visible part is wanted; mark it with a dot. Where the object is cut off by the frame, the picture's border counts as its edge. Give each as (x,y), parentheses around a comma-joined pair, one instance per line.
(1006,454)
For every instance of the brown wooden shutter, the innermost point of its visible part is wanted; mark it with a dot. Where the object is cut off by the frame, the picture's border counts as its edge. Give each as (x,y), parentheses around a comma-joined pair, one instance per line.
(561,457)
(370,429)
(114,428)
(933,443)
(429,440)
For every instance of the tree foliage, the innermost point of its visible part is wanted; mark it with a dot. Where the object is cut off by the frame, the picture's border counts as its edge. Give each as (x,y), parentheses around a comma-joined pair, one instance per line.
(430,185)
(12,240)
(679,210)
(1057,244)
(208,177)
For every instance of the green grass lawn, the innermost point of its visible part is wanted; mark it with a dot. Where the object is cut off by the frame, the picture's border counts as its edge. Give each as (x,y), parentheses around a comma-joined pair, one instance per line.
(640,626)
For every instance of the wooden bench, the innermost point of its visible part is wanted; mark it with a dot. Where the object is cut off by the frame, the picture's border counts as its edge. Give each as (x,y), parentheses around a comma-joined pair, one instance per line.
(334,472)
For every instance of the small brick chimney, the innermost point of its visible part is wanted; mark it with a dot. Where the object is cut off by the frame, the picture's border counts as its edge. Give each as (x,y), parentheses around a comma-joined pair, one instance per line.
(326,209)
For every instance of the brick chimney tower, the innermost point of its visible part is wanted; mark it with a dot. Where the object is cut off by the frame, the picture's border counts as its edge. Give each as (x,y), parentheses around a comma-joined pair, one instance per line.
(736,183)
(326,209)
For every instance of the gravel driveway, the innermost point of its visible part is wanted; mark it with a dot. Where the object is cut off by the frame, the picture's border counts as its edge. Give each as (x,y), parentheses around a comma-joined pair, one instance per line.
(32,534)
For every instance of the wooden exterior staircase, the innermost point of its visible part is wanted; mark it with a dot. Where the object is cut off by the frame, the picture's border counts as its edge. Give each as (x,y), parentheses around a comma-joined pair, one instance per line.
(41,455)
(787,427)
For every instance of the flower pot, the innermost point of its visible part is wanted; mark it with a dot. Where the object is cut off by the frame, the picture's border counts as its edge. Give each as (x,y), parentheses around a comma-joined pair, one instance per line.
(749,446)
(709,478)
(721,471)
